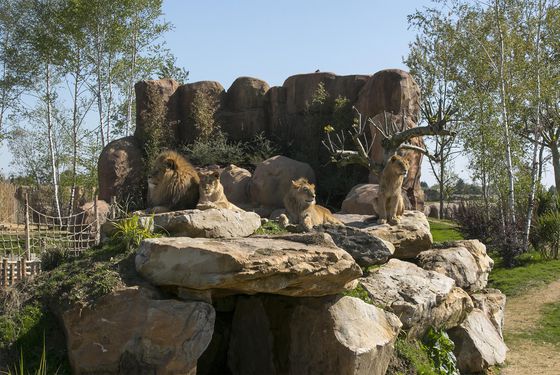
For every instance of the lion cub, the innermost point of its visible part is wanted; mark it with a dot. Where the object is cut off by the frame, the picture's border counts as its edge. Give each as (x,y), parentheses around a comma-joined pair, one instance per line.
(212,194)
(172,183)
(301,208)
(389,201)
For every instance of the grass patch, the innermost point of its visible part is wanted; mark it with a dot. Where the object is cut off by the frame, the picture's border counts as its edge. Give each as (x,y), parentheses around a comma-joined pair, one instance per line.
(548,326)
(410,357)
(271,227)
(444,230)
(359,292)
(533,272)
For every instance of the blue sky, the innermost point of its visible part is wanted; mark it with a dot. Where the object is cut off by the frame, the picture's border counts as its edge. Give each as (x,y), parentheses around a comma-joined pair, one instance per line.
(221,40)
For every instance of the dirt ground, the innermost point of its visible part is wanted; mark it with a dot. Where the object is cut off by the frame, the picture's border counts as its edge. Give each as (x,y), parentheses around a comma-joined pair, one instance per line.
(526,356)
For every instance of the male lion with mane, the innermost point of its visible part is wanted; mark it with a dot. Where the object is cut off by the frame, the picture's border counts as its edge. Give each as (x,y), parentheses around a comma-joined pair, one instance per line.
(301,208)
(389,203)
(212,194)
(172,183)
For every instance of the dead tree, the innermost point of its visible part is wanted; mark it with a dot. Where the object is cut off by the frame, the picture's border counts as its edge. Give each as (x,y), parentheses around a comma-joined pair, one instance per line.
(395,133)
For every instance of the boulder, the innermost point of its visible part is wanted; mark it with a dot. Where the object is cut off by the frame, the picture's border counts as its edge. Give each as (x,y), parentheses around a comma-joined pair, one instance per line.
(391,90)
(247,265)
(120,170)
(84,224)
(133,331)
(466,262)
(366,249)
(215,94)
(156,105)
(275,335)
(478,345)
(361,200)
(211,223)
(493,303)
(246,93)
(273,177)
(236,182)
(410,237)
(418,297)
(433,211)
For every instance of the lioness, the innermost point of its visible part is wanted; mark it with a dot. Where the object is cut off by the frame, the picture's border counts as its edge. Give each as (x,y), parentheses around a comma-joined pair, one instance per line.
(211,193)
(301,208)
(389,202)
(172,183)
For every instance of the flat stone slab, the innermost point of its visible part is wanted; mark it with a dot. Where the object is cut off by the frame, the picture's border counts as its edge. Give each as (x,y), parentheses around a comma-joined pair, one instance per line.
(410,237)
(247,266)
(212,223)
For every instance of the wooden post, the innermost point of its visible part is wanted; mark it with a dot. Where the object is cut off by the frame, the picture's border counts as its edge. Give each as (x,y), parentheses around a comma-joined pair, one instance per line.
(97,223)
(23,267)
(113,207)
(11,265)
(4,271)
(27,231)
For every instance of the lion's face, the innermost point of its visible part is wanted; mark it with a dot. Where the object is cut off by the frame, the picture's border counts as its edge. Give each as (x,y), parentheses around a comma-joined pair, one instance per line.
(162,170)
(399,165)
(303,191)
(209,181)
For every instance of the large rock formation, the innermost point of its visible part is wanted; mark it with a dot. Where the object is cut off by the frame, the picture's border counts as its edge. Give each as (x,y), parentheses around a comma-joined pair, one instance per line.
(272,335)
(466,262)
(236,182)
(418,297)
(120,169)
(247,265)
(478,345)
(250,107)
(134,331)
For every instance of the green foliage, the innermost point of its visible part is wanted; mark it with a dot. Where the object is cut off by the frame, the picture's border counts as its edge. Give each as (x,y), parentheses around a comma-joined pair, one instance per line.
(259,149)
(359,292)
(411,357)
(533,271)
(271,227)
(439,348)
(203,115)
(444,230)
(546,234)
(53,258)
(131,231)
(215,150)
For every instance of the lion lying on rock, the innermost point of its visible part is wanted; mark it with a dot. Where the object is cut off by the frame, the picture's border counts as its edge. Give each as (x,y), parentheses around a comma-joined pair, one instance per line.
(211,193)
(172,184)
(389,203)
(302,210)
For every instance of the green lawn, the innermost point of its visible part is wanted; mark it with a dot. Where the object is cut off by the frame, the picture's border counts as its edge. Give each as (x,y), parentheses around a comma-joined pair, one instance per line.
(532,273)
(444,230)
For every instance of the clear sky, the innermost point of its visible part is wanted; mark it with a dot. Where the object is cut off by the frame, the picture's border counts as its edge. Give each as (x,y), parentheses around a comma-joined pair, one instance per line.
(221,40)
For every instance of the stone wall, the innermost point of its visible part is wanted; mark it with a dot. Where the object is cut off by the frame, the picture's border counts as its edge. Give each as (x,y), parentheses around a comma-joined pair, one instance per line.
(250,106)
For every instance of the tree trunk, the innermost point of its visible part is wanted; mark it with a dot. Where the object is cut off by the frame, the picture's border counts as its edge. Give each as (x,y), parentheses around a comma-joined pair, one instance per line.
(441,187)
(130,98)
(556,165)
(75,126)
(505,119)
(99,86)
(50,125)
(536,133)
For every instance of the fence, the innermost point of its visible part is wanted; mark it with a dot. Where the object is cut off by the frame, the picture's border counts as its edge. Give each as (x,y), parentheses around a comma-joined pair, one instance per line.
(21,245)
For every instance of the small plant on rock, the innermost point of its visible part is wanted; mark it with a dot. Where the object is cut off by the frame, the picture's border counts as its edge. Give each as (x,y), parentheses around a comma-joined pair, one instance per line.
(130,232)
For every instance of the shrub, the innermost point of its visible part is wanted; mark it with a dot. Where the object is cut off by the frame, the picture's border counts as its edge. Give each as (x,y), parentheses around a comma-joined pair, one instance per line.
(440,351)
(546,234)
(215,150)
(130,232)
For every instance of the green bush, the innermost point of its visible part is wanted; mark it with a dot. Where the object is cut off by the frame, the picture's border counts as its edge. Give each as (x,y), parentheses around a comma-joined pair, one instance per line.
(546,235)
(440,351)
(215,150)
(130,232)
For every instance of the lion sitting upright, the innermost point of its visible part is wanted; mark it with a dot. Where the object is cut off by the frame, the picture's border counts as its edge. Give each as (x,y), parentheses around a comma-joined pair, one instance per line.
(211,193)
(301,208)
(172,183)
(389,202)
